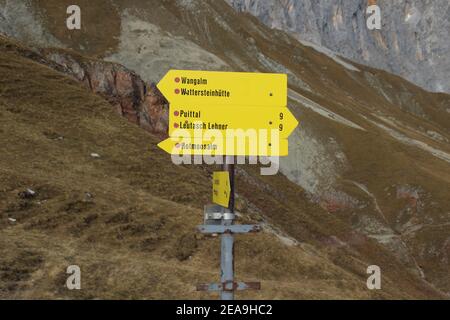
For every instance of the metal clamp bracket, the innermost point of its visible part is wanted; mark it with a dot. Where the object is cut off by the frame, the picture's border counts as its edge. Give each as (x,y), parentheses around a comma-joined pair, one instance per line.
(229,286)
(219,216)
(235,228)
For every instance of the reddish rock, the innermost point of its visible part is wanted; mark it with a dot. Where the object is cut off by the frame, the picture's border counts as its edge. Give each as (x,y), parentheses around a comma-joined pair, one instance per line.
(335,201)
(156,110)
(411,194)
(139,103)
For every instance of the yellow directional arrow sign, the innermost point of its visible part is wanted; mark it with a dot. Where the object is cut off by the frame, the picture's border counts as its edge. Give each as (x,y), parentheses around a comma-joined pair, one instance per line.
(195,120)
(221,188)
(214,144)
(224,88)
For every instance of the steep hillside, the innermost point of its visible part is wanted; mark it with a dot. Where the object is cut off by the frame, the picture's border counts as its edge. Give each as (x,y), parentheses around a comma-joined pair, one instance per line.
(368,168)
(127,217)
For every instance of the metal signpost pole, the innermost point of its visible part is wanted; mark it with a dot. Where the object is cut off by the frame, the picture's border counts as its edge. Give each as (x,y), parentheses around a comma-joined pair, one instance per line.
(227,239)
(219,220)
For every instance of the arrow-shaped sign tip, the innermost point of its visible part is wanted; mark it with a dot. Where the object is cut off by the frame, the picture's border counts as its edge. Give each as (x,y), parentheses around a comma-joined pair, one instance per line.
(290,124)
(164,84)
(168,145)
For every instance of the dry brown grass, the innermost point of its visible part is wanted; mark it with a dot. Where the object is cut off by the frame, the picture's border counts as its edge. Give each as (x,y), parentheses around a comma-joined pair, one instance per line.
(128,218)
(100,27)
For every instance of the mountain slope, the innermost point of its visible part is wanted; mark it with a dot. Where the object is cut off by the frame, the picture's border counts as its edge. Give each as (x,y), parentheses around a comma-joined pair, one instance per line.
(128,217)
(368,166)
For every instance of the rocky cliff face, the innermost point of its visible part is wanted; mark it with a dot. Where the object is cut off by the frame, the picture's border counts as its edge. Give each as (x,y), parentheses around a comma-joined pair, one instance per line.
(130,96)
(413,42)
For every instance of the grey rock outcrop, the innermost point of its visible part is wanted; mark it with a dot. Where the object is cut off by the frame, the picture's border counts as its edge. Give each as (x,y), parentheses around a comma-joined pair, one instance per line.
(414,41)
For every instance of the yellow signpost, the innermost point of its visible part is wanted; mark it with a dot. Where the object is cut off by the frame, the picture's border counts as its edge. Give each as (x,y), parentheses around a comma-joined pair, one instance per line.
(191,88)
(236,146)
(196,120)
(226,114)
(221,188)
